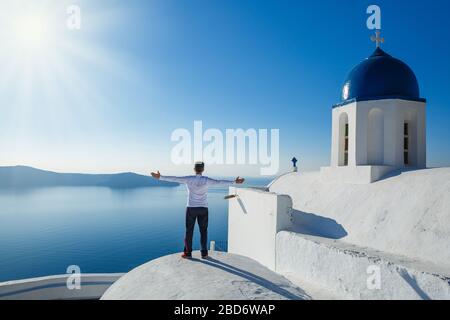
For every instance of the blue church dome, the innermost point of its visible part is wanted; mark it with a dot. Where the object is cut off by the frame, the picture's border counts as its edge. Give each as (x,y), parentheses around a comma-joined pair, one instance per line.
(381,76)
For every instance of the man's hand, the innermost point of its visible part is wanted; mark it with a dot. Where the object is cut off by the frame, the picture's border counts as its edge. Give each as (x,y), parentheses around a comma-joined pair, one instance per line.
(239,180)
(156,175)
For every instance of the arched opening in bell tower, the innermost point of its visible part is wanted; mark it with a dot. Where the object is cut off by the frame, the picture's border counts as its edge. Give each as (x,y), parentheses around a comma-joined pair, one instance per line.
(343,139)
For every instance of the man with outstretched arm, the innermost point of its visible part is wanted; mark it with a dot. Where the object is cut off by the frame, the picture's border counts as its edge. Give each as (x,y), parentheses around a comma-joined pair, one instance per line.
(197,204)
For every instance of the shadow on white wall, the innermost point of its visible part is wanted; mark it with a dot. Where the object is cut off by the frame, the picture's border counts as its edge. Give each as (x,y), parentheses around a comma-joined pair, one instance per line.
(314,225)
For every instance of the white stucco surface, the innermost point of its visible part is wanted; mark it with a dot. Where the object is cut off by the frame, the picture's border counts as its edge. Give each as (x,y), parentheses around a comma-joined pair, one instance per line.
(352,272)
(222,276)
(355,174)
(376,132)
(254,219)
(91,286)
(376,139)
(407,214)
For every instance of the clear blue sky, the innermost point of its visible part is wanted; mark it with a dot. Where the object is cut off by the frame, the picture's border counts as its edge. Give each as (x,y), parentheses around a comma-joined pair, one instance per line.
(106,98)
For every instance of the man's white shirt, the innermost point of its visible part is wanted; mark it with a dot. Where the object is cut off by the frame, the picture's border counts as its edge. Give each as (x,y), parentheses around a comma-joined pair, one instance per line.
(197,187)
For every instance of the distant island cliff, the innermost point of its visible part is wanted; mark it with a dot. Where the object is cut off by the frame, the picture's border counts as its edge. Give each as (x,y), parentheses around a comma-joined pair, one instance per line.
(28,177)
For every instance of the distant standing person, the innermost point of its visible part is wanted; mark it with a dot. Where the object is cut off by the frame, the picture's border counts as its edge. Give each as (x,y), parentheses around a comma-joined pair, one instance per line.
(197,204)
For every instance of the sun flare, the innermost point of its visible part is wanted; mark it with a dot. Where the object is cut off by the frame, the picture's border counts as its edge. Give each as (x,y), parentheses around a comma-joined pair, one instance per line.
(32,31)
(49,71)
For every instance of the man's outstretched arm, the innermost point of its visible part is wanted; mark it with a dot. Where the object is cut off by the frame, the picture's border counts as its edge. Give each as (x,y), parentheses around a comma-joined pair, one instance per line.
(158,176)
(214,182)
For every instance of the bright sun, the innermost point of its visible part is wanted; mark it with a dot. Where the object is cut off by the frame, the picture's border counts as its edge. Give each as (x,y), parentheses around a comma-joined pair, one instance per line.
(46,67)
(31,30)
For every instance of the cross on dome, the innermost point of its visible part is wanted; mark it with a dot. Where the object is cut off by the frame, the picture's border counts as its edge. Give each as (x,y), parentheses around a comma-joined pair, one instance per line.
(377,38)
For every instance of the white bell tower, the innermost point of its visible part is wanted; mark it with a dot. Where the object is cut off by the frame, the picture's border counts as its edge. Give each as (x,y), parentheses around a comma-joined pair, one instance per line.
(379,126)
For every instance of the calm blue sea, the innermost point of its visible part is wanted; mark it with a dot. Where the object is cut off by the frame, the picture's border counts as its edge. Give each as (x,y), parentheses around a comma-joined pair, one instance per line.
(44,230)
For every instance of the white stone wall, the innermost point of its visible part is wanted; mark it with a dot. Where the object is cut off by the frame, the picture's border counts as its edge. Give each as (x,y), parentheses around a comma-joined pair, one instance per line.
(350,272)
(92,286)
(254,218)
(354,175)
(407,214)
(338,233)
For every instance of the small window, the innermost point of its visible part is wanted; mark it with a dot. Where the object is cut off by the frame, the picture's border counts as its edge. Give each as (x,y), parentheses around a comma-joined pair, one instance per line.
(346,145)
(405,144)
